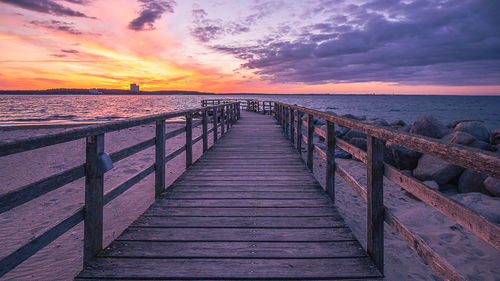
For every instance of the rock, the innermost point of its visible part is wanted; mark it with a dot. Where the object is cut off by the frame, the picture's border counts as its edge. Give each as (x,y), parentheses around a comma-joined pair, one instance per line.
(432,185)
(331,113)
(341,131)
(453,124)
(495,137)
(388,154)
(319,122)
(404,158)
(377,121)
(403,128)
(475,128)
(354,134)
(492,185)
(460,137)
(483,145)
(471,181)
(339,153)
(431,168)
(358,142)
(360,118)
(399,123)
(429,126)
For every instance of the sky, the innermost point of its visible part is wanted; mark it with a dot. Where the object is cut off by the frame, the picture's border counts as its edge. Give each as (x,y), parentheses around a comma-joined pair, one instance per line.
(253,46)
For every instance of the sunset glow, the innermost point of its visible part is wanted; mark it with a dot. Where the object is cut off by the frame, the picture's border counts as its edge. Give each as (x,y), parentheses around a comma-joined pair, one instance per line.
(251,46)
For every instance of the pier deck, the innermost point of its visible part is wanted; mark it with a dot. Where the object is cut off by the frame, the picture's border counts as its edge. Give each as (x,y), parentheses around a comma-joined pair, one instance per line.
(247,209)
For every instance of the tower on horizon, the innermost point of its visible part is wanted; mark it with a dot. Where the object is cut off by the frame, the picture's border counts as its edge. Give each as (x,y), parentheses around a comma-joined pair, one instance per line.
(134,88)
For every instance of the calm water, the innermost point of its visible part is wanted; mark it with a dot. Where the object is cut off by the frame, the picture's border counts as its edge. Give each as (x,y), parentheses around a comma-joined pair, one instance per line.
(31,110)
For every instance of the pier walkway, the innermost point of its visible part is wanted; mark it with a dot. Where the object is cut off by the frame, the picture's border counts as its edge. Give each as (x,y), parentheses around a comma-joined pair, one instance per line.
(249,208)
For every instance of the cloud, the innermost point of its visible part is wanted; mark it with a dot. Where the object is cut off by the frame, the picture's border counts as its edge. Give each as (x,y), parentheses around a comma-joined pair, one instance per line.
(58,25)
(406,42)
(151,10)
(70,51)
(47,7)
(206,30)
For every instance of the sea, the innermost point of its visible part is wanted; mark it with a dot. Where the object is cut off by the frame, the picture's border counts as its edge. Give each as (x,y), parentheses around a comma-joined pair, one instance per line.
(20,110)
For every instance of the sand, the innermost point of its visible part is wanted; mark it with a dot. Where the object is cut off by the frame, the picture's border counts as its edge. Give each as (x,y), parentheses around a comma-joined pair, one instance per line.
(62,259)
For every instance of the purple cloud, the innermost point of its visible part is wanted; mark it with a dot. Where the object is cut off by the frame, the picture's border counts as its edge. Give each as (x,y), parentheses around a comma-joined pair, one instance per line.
(58,25)
(47,7)
(152,10)
(417,42)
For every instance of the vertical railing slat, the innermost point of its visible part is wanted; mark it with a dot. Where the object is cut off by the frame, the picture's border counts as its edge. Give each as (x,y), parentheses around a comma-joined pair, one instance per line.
(160,158)
(375,196)
(330,159)
(292,126)
(205,129)
(310,140)
(222,121)
(92,242)
(214,115)
(189,140)
(299,132)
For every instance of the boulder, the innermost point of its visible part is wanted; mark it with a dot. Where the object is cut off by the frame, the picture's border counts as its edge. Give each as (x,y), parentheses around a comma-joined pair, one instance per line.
(339,153)
(354,134)
(432,185)
(495,137)
(360,118)
(431,168)
(358,142)
(463,138)
(341,131)
(377,121)
(471,181)
(483,145)
(492,185)
(404,158)
(399,123)
(429,126)
(475,128)
(453,124)
(402,128)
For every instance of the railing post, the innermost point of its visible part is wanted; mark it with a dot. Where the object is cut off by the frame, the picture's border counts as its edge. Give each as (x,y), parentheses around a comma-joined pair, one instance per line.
(189,141)
(228,118)
(205,129)
(287,125)
(292,126)
(92,237)
(239,111)
(222,124)
(375,196)
(299,132)
(310,140)
(160,158)
(330,143)
(214,115)
(278,114)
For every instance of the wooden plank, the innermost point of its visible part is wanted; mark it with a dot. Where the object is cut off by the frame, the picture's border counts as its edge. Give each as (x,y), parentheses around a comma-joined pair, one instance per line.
(160,158)
(215,125)
(205,130)
(292,126)
(375,196)
(306,177)
(352,182)
(175,154)
(31,191)
(431,258)
(351,149)
(299,132)
(237,234)
(115,192)
(310,141)
(475,223)
(174,133)
(244,203)
(136,268)
(126,152)
(156,210)
(27,250)
(282,195)
(189,140)
(166,250)
(94,182)
(239,222)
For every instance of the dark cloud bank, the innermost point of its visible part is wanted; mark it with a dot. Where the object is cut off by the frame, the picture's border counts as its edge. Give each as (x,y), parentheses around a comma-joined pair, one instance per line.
(152,10)
(48,7)
(422,42)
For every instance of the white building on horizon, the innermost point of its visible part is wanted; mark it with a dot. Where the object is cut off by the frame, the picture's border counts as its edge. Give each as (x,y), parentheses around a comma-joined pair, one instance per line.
(134,88)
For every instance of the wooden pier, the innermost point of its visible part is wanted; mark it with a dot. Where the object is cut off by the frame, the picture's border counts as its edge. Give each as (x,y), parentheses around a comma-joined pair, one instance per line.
(247,209)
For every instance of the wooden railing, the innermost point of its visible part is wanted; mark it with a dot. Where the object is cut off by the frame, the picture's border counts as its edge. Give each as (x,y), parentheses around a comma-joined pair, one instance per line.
(290,118)
(92,212)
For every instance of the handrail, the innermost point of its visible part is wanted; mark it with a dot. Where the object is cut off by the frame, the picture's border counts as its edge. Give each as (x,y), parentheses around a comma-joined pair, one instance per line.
(484,162)
(91,212)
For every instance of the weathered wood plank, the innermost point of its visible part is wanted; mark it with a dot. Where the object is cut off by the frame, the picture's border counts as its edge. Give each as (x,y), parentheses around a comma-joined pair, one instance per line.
(244,203)
(165,250)
(156,210)
(239,194)
(239,222)
(232,268)
(189,140)
(159,158)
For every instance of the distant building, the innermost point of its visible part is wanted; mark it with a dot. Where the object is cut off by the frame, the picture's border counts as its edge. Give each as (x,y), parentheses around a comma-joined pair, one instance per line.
(134,88)
(94,91)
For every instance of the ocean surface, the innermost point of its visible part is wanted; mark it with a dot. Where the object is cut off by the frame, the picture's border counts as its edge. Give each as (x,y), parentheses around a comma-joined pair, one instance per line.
(73,109)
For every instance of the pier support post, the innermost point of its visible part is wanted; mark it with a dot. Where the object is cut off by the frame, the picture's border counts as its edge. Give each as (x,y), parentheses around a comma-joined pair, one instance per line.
(239,110)
(299,132)
(330,144)
(292,126)
(222,123)
(310,140)
(205,129)
(228,118)
(92,237)
(159,158)
(287,117)
(375,196)
(215,124)
(189,140)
